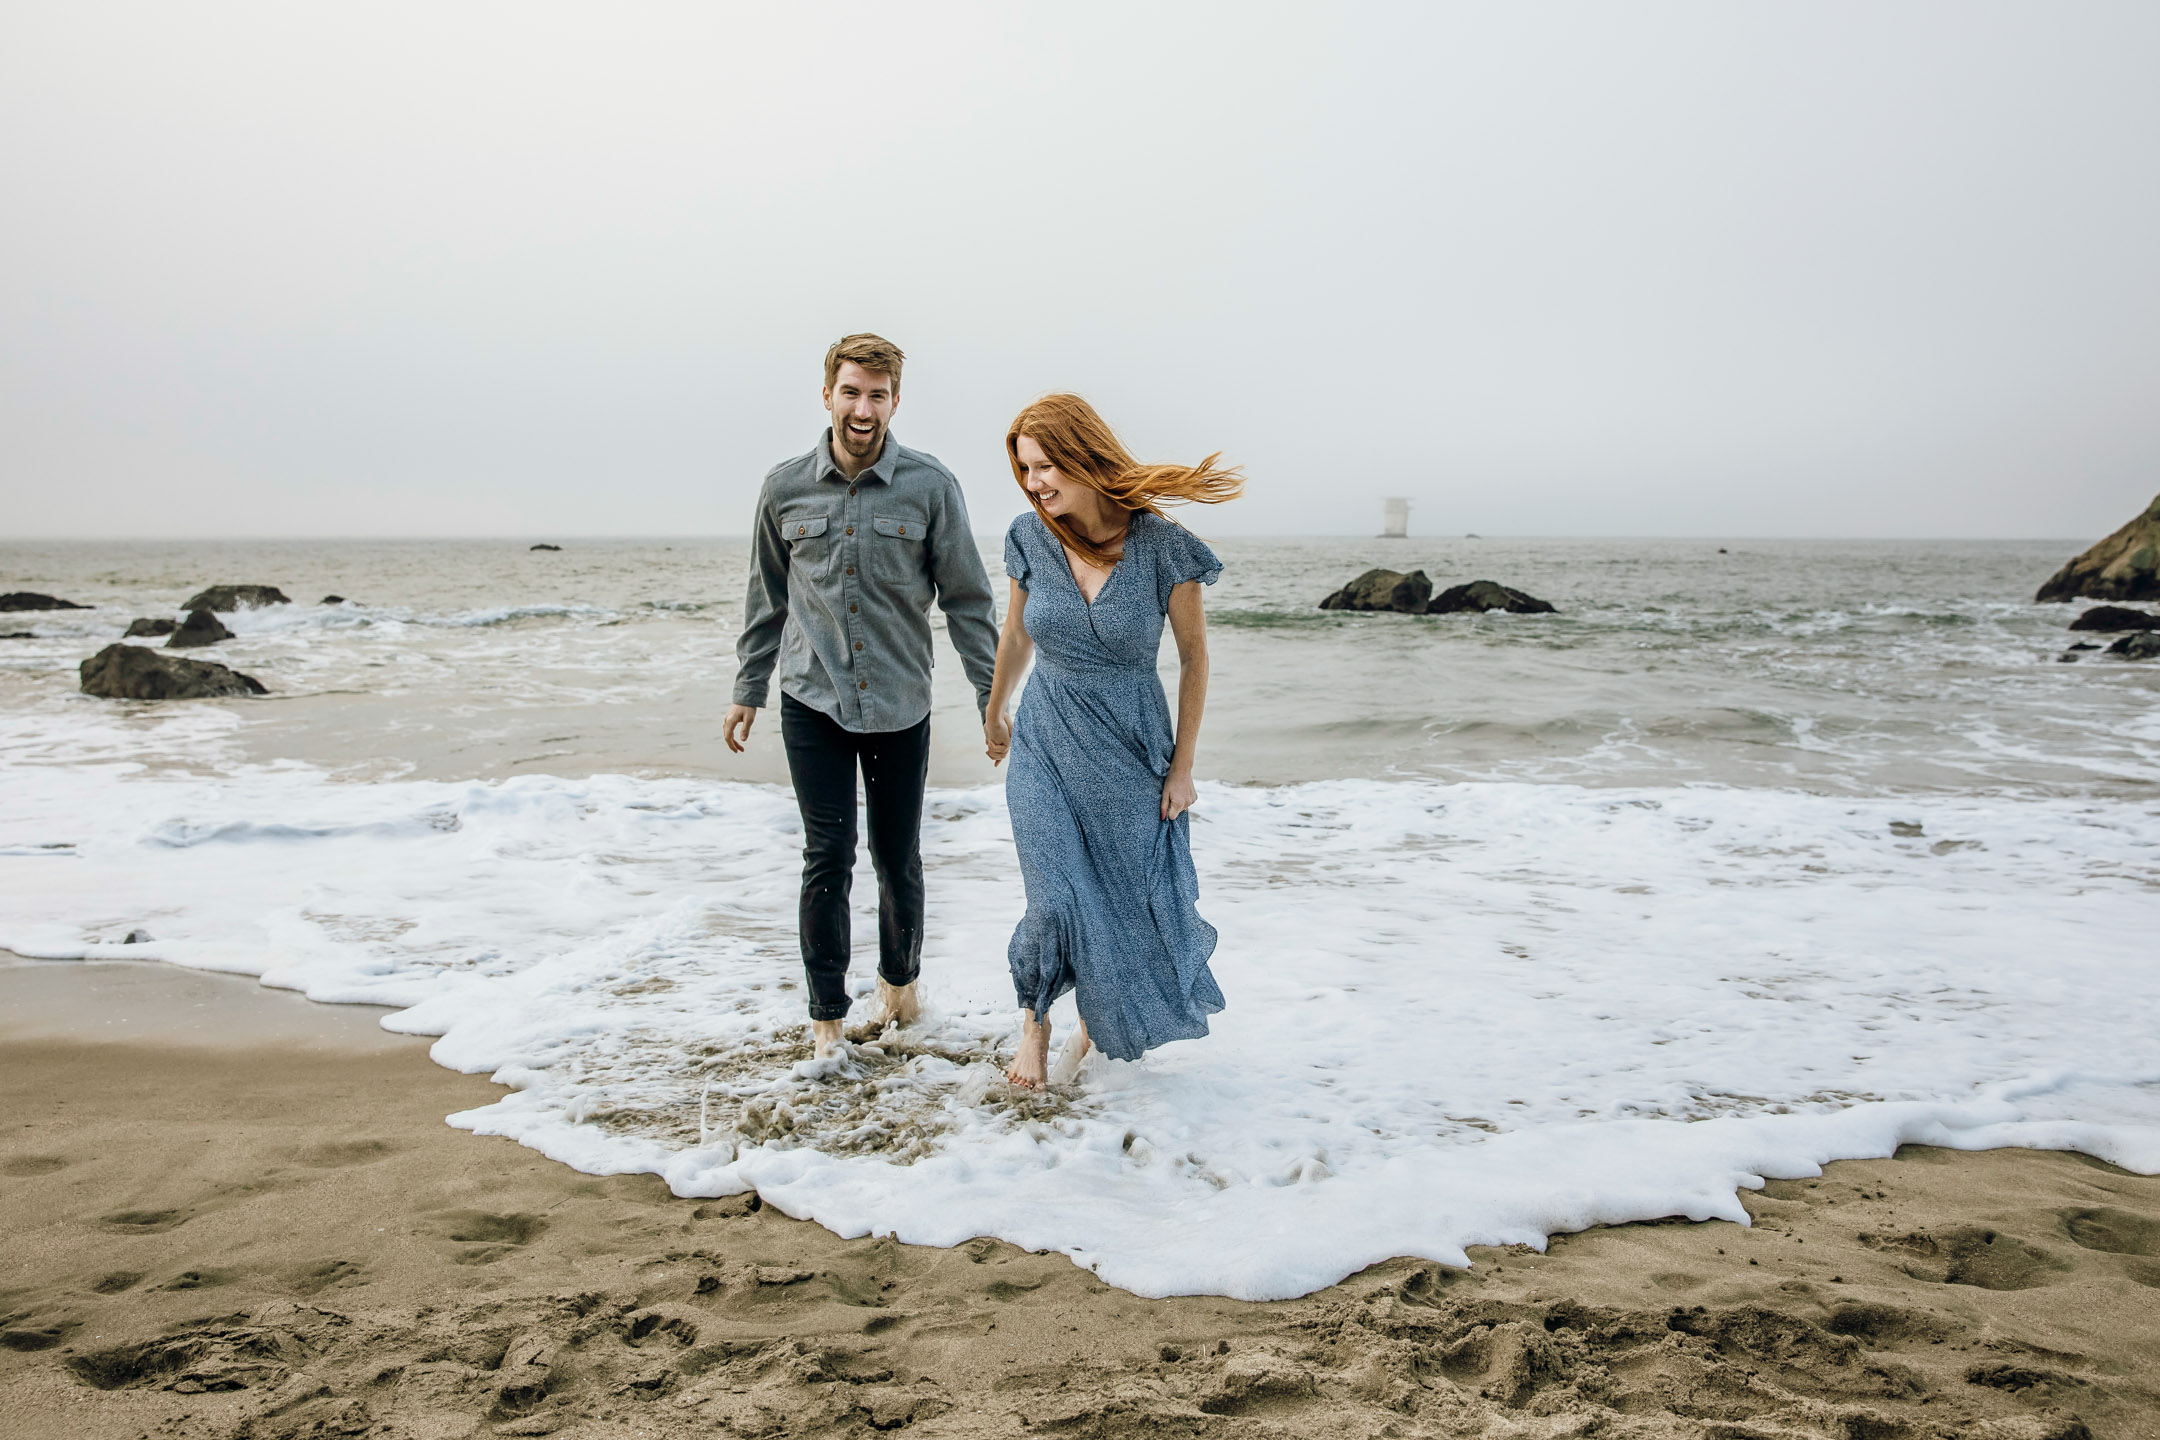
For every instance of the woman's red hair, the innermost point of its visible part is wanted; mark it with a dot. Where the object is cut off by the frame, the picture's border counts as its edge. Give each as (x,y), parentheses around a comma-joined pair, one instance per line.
(1087,450)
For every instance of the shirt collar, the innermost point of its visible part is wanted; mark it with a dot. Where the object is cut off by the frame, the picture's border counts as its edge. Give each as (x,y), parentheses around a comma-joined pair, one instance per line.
(882,471)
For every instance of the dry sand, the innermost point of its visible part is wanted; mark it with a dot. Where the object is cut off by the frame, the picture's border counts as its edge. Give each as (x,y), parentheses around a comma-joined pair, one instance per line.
(224,1212)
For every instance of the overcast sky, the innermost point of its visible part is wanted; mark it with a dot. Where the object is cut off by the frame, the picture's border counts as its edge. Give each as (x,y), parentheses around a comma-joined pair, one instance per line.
(1602,269)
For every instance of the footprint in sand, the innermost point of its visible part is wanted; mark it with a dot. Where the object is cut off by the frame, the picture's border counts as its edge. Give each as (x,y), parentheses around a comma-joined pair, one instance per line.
(145,1222)
(116,1281)
(489,1236)
(320,1275)
(208,1279)
(42,1334)
(2112,1231)
(1972,1255)
(342,1154)
(24,1166)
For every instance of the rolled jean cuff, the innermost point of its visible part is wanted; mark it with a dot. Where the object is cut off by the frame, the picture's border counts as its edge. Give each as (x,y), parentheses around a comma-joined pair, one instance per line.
(829,1012)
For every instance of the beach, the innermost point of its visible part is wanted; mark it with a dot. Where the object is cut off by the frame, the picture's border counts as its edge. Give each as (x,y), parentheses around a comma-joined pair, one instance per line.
(225,1212)
(1791,897)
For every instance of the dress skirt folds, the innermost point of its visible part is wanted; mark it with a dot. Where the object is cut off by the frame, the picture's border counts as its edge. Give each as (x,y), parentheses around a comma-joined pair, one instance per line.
(1111,893)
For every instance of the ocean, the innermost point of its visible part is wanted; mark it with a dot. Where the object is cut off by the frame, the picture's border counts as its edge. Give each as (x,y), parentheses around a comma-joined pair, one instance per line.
(1758,854)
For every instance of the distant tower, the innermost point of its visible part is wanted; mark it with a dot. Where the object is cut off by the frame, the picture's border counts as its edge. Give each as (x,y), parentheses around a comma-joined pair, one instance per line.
(1398,520)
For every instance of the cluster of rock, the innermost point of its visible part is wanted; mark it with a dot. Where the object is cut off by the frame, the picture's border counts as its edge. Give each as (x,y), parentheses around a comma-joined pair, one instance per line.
(31,600)
(134,672)
(1412,594)
(224,599)
(2125,566)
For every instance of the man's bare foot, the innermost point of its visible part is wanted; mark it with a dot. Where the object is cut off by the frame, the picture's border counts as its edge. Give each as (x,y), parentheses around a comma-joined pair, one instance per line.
(1031,1065)
(824,1038)
(1076,1049)
(897,1004)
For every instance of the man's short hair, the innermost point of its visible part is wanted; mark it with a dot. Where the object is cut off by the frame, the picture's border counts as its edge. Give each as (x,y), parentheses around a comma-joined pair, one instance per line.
(872,352)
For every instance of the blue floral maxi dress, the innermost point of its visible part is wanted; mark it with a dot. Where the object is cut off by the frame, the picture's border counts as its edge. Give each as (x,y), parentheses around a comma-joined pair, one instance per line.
(1110,886)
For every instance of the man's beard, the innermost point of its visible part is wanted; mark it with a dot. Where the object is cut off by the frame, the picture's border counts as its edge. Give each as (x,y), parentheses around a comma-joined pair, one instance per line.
(859,446)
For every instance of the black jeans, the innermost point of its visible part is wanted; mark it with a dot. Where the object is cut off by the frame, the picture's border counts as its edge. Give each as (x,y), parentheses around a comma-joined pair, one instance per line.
(822,756)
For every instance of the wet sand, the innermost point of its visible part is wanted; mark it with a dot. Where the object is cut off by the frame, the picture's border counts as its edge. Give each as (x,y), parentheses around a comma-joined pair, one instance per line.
(227,1212)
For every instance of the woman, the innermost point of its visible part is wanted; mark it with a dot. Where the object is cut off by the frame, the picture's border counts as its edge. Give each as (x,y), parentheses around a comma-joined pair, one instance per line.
(1099,789)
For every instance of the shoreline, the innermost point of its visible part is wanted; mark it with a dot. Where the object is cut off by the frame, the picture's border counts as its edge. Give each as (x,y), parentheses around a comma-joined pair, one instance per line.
(264,1228)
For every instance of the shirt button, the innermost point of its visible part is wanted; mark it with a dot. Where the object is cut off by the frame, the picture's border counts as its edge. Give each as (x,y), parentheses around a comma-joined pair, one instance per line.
(858,644)
(850,529)
(851,609)
(851,490)
(863,685)
(851,570)
(903,529)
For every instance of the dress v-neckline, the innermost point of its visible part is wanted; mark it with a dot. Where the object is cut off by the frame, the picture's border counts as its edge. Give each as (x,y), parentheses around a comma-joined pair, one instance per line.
(1085,602)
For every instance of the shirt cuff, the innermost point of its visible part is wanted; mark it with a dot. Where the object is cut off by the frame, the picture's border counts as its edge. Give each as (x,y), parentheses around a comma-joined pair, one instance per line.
(750,695)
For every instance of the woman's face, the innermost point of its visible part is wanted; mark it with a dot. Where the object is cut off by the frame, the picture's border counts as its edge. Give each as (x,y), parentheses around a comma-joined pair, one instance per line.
(1057,495)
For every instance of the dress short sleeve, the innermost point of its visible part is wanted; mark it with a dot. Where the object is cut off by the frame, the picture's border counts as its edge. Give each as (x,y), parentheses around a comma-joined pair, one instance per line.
(1016,564)
(1185,556)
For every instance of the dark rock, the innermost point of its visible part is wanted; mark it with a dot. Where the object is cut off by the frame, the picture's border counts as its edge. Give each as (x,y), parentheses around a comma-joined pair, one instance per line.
(2085,645)
(228,598)
(31,600)
(1485,595)
(546,547)
(19,635)
(158,626)
(2125,566)
(2138,645)
(2066,658)
(331,600)
(2116,617)
(136,672)
(1383,590)
(138,937)
(200,628)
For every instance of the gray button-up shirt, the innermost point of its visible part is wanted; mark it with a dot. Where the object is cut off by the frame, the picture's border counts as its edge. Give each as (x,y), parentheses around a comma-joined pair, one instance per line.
(841,578)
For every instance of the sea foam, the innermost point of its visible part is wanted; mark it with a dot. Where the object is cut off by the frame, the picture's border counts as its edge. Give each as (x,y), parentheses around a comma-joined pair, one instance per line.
(1459,1014)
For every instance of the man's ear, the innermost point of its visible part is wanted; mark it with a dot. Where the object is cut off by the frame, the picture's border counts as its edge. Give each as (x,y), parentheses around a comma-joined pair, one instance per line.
(826,391)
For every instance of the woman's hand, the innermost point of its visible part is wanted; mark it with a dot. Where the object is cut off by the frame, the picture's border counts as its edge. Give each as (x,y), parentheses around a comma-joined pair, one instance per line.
(997,736)
(1178,795)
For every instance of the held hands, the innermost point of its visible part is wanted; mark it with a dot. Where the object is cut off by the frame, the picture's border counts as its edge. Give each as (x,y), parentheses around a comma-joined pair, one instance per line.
(736,728)
(997,737)
(1178,795)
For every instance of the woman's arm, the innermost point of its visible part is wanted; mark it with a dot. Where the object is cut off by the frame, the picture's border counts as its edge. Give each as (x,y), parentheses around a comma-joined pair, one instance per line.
(1014,649)
(1188,622)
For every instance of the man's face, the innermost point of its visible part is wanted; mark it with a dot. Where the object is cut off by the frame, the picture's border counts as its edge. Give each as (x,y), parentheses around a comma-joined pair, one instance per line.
(861,403)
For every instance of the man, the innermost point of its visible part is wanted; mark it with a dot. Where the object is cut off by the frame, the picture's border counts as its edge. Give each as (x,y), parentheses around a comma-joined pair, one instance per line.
(852,541)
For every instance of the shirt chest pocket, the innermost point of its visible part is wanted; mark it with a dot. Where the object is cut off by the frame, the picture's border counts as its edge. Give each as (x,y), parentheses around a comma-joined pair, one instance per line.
(797,528)
(900,527)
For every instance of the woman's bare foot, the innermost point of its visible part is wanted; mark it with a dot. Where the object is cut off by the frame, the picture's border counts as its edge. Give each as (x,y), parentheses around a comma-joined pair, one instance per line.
(824,1038)
(1076,1049)
(897,1004)
(1031,1065)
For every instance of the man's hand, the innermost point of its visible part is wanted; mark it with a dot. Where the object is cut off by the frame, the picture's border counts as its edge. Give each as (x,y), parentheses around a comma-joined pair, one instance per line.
(736,728)
(1178,795)
(997,738)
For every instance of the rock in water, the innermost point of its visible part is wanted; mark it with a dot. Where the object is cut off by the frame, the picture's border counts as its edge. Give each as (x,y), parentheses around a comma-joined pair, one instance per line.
(31,600)
(2115,617)
(200,628)
(149,627)
(1485,595)
(331,600)
(544,546)
(228,598)
(1383,590)
(135,672)
(2125,566)
(2140,645)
